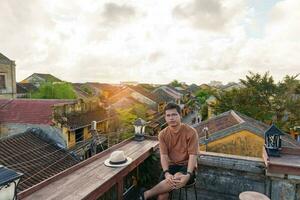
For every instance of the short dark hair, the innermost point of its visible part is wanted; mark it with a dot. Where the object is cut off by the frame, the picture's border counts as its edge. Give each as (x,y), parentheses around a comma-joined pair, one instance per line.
(172,105)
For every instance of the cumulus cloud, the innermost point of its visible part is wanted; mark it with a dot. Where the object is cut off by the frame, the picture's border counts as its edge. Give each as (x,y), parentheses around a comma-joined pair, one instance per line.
(278,51)
(114,13)
(212,15)
(148,41)
(155,56)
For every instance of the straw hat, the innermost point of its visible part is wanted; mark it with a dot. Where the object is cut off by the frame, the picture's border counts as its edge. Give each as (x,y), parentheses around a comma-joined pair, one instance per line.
(117,159)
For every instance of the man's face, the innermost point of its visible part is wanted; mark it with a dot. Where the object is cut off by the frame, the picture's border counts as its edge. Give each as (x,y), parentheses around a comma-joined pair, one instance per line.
(172,117)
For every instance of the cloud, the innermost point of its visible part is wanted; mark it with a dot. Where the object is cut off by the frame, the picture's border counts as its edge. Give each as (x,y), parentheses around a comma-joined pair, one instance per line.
(155,56)
(148,41)
(284,21)
(211,15)
(278,51)
(115,14)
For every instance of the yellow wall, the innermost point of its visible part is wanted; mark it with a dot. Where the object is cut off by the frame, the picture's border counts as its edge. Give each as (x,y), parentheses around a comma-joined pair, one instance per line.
(161,107)
(294,134)
(242,143)
(71,140)
(102,127)
(86,133)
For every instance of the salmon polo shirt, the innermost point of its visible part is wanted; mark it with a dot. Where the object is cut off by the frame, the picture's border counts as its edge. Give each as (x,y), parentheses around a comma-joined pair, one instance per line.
(178,146)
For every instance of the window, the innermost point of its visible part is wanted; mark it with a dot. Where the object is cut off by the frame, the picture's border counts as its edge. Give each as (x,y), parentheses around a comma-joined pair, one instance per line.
(2,81)
(79,135)
(69,136)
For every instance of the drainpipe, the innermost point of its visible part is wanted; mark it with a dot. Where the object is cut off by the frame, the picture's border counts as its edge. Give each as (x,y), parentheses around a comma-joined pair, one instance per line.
(12,80)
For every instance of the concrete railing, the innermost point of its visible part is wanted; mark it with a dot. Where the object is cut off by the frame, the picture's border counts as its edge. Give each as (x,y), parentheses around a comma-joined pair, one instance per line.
(222,176)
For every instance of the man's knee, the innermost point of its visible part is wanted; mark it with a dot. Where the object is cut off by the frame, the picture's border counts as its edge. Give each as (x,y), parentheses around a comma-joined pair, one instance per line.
(178,175)
(165,184)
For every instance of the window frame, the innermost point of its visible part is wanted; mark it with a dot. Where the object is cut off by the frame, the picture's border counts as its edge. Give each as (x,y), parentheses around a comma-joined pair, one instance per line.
(5,79)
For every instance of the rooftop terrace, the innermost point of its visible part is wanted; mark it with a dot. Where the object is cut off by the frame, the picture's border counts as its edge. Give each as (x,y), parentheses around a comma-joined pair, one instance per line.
(220,176)
(91,178)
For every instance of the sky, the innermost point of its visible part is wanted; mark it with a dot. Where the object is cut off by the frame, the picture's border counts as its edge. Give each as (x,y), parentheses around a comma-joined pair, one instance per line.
(151,41)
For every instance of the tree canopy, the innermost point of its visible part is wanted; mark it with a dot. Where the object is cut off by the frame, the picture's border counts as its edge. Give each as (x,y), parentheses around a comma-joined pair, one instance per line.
(265,100)
(175,83)
(49,90)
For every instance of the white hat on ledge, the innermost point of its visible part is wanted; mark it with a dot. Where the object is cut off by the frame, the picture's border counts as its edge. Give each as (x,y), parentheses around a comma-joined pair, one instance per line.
(117,159)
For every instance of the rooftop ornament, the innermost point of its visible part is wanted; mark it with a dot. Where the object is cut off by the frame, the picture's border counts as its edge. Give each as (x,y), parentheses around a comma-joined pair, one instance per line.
(139,129)
(273,141)
(9,180)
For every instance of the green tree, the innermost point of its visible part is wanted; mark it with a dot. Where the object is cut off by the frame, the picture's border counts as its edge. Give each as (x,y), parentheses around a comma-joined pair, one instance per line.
(175,83)
(287,103)
(262,85)
(204,111)
(254,100)
(201,96)
(245,100)
(140,111)
(265,100)
(126,118)
(55,91)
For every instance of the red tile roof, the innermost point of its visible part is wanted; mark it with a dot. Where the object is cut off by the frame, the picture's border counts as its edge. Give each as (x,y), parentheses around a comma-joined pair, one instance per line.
(218,123)
(34,157)
(231,121)
(27,111)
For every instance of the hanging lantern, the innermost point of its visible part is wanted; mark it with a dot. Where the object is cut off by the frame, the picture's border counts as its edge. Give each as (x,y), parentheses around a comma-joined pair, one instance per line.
(273,141)
(139,129)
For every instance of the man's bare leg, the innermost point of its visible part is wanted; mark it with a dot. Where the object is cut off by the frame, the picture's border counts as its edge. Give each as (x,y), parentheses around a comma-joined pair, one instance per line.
(164,196)
(163,188)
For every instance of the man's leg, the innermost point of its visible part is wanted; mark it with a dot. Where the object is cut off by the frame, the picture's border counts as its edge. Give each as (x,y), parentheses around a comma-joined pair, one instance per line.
(164,196)
(162,189)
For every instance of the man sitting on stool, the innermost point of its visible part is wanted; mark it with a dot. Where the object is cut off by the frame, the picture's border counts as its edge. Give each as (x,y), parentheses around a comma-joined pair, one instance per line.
(178,145)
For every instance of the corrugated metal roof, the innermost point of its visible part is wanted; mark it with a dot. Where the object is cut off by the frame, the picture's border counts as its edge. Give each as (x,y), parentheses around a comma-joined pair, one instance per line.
(8,175)
(34,157)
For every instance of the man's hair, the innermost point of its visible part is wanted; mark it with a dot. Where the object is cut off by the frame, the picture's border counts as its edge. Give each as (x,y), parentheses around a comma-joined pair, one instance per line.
(171,105)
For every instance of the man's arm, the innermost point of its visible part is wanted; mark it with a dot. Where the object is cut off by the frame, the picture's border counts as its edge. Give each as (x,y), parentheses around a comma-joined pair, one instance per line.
(193,151)
(192,163)
(164,159)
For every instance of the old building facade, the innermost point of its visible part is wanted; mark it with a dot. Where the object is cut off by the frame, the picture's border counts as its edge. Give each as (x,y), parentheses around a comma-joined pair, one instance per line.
(7,78)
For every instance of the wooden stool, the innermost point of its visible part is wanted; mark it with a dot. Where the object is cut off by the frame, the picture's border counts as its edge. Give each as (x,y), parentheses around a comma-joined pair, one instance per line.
(251,195)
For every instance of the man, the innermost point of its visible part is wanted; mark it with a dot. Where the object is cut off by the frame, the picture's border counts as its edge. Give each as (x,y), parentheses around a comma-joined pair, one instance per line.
(178,145)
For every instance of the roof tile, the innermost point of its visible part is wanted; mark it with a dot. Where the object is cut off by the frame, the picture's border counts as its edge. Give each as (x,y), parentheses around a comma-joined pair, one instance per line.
(27,111)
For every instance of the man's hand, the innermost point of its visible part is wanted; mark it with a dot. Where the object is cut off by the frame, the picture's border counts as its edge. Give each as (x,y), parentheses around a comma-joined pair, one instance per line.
(170,180)
(181,180)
